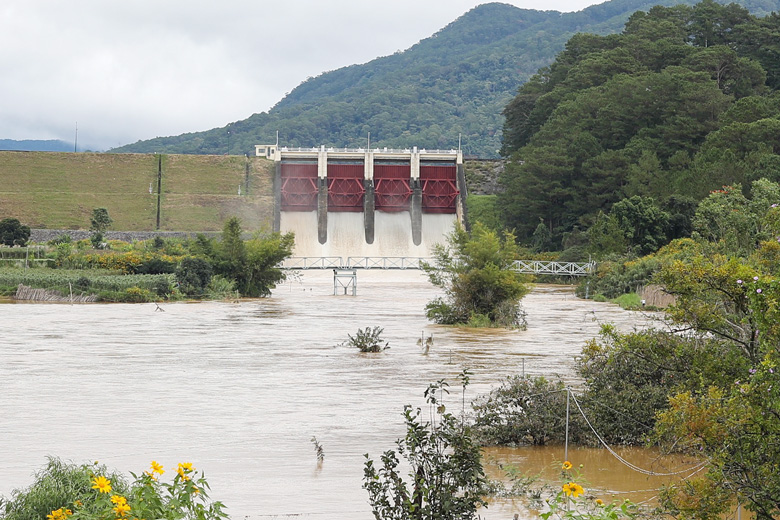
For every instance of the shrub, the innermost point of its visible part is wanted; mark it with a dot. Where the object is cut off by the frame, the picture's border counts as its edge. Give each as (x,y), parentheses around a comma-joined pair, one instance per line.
(193,275)
(221,288)
(82,283)
(89,492)
(476,273)
(524,411)
(64,238)
(368,340)
(156,265)
(162,287)
(97,239)
(13,233)
(58,485)
(445,465)
(630,376)
(138,295)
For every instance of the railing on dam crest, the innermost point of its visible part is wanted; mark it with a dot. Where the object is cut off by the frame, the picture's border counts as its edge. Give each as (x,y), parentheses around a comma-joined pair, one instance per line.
(538,267)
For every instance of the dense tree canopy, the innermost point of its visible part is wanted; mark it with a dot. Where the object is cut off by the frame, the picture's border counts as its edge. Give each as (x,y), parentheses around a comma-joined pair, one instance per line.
(678,104)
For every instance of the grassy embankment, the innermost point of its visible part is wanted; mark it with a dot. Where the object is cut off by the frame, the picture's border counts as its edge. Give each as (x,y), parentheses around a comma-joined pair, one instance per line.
(199,192)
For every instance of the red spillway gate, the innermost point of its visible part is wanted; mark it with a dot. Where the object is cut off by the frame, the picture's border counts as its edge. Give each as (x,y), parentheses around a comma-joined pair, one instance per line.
(391,187)
(345,187)
(440,188)
(299,186)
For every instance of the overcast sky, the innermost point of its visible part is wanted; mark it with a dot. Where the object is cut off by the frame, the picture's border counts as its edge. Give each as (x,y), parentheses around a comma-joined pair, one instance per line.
(127,70)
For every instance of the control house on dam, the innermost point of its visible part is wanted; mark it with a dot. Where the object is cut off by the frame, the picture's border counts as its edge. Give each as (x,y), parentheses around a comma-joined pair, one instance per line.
(366,202)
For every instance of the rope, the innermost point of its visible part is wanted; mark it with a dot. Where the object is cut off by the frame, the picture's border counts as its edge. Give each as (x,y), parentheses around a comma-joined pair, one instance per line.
(634,467)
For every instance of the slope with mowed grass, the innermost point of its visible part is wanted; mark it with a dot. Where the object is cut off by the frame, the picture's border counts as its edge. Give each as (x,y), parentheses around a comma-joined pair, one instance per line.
(199,192)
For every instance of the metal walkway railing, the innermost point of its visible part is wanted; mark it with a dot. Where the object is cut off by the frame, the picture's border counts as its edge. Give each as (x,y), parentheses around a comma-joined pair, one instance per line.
(354,262)
(539,267)
(555,268)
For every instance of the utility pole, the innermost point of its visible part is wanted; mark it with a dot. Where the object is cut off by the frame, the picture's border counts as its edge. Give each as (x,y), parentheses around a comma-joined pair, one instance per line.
(566,448)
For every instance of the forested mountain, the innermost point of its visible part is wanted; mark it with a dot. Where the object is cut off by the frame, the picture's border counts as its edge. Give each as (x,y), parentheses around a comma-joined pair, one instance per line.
(684,101)
(458,81)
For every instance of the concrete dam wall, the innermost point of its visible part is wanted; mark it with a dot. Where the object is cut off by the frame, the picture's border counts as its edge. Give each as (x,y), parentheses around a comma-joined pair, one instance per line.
(361,202)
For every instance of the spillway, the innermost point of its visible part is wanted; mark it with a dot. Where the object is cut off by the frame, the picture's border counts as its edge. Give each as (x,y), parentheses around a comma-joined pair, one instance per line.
(366,203)
(346,238)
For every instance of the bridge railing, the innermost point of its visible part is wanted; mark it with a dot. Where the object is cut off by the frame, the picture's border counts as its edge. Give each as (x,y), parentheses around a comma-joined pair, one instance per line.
(312,262)
(353,262)
(555,268)
(386,262)
(311,149)
(538,267)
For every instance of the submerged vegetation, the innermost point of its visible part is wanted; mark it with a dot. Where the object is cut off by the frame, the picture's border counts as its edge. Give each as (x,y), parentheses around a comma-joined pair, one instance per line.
(475,271)
(368,340)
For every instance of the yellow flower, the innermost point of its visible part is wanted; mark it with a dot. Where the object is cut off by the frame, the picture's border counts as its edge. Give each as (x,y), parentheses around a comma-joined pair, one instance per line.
(573,489)
(102,484)
(157,468)
(117,499)
(599,502)
(566,465)
(59,514)
(121,509)
(184,468)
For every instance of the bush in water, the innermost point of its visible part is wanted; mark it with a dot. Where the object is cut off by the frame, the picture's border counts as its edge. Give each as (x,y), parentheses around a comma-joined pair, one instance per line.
(449,481)
(523,411)
(368,340)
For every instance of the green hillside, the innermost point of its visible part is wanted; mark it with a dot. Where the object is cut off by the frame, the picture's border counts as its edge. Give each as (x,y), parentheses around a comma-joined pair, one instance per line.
(60,190)
(458,81)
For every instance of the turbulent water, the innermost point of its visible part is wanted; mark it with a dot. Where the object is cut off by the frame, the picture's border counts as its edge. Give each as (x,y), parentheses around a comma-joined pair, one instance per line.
(240,388)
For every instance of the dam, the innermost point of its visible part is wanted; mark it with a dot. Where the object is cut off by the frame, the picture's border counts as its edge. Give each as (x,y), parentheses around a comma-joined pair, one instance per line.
(366,202)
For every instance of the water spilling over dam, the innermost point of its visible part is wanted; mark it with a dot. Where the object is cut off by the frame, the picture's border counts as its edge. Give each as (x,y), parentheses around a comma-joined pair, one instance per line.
(364,202)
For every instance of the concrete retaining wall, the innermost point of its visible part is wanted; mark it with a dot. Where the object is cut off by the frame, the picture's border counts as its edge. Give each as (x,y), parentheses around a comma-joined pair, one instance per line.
(44,235)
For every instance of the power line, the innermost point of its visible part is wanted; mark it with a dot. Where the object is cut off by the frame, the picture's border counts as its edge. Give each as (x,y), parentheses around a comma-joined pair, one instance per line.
(634,467)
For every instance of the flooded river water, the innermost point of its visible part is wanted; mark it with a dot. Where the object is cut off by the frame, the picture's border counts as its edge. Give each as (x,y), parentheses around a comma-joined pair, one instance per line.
(240,388)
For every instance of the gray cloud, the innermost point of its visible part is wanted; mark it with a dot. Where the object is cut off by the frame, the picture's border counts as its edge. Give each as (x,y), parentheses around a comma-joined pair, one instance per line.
(138,69)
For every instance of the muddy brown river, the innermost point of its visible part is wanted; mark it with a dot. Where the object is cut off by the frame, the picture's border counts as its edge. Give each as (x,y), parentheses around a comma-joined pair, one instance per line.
(240,388)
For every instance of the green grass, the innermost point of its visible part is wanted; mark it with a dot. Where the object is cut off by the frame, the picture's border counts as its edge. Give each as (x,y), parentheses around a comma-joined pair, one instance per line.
(200,192)
(628,301)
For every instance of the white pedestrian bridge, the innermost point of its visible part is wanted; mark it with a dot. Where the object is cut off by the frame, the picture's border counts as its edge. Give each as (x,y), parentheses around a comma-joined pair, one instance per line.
(538,267)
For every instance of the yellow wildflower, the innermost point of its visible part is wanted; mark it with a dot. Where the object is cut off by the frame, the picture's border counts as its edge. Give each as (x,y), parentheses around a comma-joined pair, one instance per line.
(573,489)
(184,468)
(121,509)
(157,468)
(59,514)
(117,499)
(102,484)
(566,465)
(599,502)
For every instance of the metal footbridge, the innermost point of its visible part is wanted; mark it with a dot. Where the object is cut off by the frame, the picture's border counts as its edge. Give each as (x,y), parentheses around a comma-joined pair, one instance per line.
(537,267)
